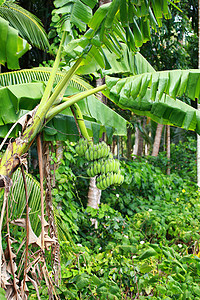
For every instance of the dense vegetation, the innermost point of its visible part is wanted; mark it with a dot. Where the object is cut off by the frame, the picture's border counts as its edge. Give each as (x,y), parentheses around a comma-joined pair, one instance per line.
(145,241)
(146,245)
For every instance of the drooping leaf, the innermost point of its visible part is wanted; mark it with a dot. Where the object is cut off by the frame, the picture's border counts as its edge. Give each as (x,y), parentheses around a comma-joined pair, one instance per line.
(174,83)
(18,98)
(129,64)
(146,95)
(12,46)
(15,98)
(63,127)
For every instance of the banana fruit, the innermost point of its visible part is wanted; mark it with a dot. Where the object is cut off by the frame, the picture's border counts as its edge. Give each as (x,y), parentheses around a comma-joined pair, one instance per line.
(105,180)
(81,147)
(101,163)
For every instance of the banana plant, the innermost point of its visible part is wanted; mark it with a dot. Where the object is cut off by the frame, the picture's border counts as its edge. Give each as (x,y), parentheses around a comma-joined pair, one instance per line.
(106,27)
(146,92)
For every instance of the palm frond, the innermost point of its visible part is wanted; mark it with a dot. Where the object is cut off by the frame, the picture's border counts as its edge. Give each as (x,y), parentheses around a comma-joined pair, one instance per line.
(28,25)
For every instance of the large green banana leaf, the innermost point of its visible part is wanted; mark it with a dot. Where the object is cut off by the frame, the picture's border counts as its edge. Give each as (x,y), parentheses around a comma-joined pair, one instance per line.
(174,83)
(21,97)
(119,21)
(130,63)
(153,95)
(70,13)
(12,47)
(63,127)
(40,74)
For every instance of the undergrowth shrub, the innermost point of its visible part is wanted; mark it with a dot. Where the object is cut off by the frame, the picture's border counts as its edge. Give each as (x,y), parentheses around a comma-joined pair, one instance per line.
(182,160)
(146,245)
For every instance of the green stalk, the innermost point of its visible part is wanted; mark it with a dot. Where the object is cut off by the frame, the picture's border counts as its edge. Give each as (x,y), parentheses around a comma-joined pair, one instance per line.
(70,101)
(43,109)
(49,86)
(11,158)
(79,118)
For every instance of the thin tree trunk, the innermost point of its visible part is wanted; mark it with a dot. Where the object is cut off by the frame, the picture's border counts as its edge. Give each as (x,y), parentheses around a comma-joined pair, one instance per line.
(168,148)
(129,146)
(141,140)
(140,145)
(157,140)
(135,147)
(114,143)
(122,147)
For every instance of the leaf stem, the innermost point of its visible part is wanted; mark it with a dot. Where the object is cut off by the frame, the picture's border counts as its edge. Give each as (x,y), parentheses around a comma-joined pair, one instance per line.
(70,101)
(80,121)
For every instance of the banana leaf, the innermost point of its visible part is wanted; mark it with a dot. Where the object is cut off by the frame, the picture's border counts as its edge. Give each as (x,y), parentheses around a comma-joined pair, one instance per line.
(12,46)
(153,95)
(130,63)
(18,99)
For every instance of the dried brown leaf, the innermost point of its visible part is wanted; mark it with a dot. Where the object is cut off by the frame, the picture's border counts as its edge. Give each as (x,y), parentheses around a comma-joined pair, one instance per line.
(34,283)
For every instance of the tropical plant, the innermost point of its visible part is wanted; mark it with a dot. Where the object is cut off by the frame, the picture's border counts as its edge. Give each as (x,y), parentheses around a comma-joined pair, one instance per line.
(15,21)
(146,93)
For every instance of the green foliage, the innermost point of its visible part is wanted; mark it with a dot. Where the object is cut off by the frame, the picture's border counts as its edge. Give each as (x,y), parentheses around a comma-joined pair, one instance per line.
(182,160)
(161,207)
(146,242)
(66,211)
(153,95)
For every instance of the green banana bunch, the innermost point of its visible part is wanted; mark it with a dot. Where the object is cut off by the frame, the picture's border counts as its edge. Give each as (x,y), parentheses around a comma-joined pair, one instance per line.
(108,165)
(118,178)
(90,153)
(81,147)
(102,163)
(93,169)
(95,152)
(102,182)
(105,180)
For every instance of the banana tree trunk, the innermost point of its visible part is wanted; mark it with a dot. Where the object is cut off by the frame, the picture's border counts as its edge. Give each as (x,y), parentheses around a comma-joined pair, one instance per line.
(157,140)
(55,249)
(94,197)
(94,194)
